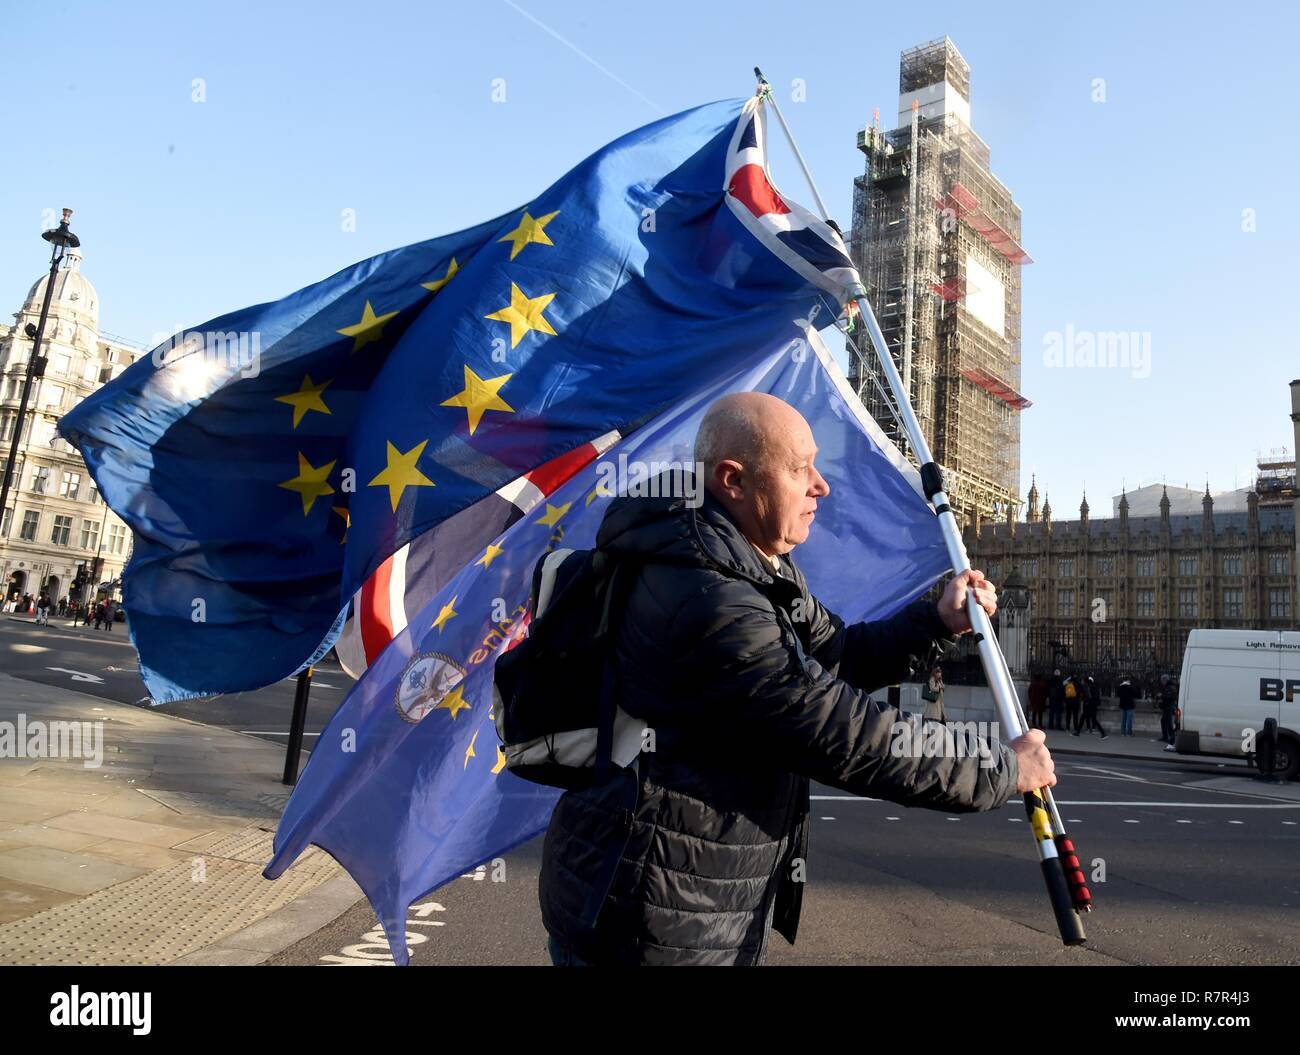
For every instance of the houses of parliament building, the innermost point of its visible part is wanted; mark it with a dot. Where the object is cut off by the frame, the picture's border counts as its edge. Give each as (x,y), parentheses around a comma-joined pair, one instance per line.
(1120,594)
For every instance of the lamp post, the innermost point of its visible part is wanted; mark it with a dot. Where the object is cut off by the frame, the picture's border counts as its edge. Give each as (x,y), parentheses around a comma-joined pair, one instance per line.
(61,239)
(1014,630)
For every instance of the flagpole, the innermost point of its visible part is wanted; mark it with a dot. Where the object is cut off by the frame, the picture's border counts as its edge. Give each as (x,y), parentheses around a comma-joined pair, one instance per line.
(297,726)
(1067,891)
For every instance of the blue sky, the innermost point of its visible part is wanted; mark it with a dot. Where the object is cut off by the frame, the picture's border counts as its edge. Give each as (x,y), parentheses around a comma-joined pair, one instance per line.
(1133,207)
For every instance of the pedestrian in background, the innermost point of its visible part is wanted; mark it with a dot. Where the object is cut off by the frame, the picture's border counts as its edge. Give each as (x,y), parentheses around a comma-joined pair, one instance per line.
(1037,700)
(1091,693)
(1168,703)
(933,695)
(1073,703)
(1128,694)
(1055,700)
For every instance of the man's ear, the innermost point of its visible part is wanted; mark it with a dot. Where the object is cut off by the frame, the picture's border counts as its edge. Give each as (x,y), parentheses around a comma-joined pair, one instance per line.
(728,479)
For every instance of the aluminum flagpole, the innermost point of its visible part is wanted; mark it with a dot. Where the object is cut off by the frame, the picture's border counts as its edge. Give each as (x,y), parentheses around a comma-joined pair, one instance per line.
(1066,905)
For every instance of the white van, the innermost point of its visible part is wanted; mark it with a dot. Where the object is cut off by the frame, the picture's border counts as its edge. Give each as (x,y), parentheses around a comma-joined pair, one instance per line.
(1231,681)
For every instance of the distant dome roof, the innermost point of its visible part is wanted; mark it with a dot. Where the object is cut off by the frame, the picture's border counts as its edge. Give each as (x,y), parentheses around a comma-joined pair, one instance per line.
(74,296)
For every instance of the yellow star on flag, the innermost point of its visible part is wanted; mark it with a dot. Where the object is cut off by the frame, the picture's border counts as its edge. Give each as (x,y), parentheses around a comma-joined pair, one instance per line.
(346,514)
(437,284)
(489,555)
(480,395)
(401,472)
(553,514)
(501,761)
(469,751)
(529,231)
(448,612)
(524,313)
(311,483)
(306,398)
(368,330)
(453,702)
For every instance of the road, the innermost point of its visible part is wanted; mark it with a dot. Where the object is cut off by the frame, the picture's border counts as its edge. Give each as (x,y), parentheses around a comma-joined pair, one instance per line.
(1190,862)
(103,663)
(1189,866)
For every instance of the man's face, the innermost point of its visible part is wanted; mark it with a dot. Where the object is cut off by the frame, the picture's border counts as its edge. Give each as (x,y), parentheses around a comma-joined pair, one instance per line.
(783,500)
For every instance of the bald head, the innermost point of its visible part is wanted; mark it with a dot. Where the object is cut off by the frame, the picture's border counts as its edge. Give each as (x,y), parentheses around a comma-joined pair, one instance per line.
(746,427)
(757,455)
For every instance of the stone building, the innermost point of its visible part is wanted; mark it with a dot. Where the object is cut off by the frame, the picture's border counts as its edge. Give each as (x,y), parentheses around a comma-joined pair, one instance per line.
(55,521)
(1124,592)
(1120,594)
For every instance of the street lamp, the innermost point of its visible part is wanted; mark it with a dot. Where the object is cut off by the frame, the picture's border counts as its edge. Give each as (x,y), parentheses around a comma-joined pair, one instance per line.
(61,239)
(1013,632)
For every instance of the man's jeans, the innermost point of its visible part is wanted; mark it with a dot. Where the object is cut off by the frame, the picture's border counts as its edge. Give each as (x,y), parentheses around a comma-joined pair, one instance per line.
(1167,724)
(1126,722)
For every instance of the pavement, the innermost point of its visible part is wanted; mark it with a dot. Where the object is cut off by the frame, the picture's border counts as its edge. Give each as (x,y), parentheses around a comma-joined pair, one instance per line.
(152,853)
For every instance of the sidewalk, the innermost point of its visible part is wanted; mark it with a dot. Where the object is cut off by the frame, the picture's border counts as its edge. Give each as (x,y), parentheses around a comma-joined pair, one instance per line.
(1142,746)
(155,856)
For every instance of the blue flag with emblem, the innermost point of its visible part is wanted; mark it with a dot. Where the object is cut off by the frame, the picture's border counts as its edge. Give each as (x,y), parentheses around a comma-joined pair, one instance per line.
(269,460)
(407,788)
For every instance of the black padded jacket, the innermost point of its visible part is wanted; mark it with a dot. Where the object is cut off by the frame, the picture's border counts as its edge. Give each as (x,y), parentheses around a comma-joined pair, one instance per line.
(752,689)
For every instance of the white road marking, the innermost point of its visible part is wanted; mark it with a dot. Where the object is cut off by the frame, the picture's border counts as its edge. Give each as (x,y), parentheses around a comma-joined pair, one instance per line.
(1181,821)
(27,649)
(1098,802)
(1129,820)
(826,818)
(271,732)
(78,675)
(1109,772)
(843,798)
(372,949)
(1198,805)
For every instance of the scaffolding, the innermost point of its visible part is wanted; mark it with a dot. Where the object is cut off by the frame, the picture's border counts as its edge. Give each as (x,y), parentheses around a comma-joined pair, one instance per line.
(936,238)
(1275,480)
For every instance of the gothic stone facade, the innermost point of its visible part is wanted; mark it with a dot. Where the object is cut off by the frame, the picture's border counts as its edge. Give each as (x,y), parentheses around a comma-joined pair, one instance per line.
(1120,595)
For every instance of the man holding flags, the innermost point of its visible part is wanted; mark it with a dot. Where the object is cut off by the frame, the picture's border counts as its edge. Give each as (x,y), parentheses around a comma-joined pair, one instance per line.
(752,688)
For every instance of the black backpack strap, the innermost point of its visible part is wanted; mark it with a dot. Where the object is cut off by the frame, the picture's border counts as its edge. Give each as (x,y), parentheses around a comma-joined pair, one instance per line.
(617,577)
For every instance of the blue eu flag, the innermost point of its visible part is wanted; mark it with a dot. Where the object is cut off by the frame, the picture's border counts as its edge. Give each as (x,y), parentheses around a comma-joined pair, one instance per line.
(407,786)
(271,459)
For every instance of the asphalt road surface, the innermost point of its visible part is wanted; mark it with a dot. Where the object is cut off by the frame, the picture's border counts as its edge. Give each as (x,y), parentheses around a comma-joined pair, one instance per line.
(103,663)
(1189,862)
(1199,866)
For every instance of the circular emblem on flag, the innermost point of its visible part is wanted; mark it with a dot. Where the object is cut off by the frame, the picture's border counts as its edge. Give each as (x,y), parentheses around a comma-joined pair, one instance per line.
(425,682)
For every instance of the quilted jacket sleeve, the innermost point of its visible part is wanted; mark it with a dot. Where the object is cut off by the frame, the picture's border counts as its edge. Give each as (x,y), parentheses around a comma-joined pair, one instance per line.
(884,652)
(739,662)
